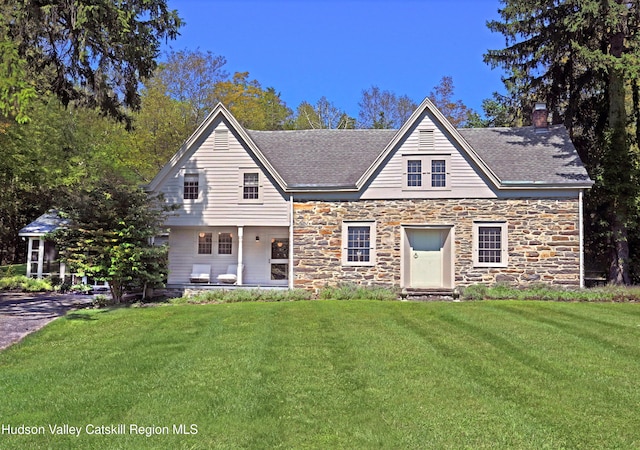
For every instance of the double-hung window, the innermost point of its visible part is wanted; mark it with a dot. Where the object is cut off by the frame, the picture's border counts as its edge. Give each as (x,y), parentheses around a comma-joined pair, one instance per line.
(426,172)
(225,243)
(250,186)
(191,187)
(358,243)
(205,243)
(490,245)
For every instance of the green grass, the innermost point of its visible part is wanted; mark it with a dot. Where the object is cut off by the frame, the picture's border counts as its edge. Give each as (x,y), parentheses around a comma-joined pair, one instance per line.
(331,374)
(13,269)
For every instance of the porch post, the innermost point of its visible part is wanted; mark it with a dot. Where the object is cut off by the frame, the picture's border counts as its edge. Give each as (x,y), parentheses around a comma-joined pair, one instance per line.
(29,250)
(240,255)
(40,256)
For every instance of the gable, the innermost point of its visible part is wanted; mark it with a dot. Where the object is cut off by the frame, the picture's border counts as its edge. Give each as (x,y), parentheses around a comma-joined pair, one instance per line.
(212,166)
(428,141)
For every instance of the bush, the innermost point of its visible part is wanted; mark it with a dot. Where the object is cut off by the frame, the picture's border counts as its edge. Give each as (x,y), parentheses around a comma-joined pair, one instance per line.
(22,283)
(246,295)
(349,291)
(552,293)
(101,301)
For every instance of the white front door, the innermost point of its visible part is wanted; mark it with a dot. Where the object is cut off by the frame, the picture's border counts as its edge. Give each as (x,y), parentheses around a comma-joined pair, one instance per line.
(426,258)
(279,260)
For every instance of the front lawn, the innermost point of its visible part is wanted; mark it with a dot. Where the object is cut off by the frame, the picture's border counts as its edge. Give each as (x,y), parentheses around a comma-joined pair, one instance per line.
(330,374)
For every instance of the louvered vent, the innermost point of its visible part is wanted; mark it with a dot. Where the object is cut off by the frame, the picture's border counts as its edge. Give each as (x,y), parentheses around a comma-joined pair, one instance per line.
(426,139)
(221,140)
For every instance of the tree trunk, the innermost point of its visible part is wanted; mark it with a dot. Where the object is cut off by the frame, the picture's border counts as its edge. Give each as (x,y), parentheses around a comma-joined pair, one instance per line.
(617,169)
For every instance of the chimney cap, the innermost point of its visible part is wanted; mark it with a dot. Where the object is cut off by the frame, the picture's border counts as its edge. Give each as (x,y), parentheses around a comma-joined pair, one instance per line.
(540,106)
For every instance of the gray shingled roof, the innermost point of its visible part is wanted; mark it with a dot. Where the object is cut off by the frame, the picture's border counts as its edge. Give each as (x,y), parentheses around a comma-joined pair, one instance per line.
(321,158)
(522,155)
(338,158)
(46,223)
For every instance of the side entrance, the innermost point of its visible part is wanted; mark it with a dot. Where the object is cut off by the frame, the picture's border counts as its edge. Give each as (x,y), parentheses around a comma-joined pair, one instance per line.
(427,257)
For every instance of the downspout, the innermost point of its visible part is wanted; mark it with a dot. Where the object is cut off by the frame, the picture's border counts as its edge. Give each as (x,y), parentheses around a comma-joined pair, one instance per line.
(291,241)
(581,228)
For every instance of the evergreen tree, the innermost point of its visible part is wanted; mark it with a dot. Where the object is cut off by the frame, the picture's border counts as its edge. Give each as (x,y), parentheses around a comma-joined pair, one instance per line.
(582,59)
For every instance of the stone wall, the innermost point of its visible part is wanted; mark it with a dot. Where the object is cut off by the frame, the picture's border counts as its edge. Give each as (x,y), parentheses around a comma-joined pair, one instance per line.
(543,239)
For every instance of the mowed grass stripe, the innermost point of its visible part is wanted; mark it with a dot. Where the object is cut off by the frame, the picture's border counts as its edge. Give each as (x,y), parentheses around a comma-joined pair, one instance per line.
(335,374)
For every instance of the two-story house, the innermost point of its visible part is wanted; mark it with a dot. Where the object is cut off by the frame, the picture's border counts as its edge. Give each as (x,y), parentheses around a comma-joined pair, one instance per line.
(427,206)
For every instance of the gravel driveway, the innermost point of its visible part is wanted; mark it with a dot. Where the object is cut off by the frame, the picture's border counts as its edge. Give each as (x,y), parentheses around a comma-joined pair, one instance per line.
(21,314)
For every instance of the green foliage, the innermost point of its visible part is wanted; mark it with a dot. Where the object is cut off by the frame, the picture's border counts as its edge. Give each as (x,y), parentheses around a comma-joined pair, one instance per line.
(246,295)
(24,284)
(610,293)
(323,115)
(583,61)
(13,269)
(101,301)
(91,52)
(347,291)
(454,110)
(254,107)
(110,236)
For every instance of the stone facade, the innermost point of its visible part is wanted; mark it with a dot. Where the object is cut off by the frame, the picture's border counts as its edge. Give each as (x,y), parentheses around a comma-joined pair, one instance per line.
(543,239)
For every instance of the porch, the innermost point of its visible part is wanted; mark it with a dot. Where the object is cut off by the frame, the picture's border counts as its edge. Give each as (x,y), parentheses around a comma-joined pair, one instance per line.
(230,257)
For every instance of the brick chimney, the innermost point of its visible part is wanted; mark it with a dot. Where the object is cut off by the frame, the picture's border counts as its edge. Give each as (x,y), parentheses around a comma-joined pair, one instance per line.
(540,117)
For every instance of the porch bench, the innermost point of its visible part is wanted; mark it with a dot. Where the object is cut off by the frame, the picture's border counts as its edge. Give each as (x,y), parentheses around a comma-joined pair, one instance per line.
(201,273)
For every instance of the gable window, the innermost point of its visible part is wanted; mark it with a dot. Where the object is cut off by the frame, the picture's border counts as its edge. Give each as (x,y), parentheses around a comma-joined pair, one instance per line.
(438,173)
(250,183)
(426,172)
(414,173)
(250,189)
(205,243)
(225,243)
(358,243)
(191,186)
(490,244)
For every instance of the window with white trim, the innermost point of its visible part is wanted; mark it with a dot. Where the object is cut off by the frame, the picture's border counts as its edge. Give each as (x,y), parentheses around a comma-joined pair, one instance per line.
(358,243)
(250,186)
(427,172)
(205,243)
(490,245)
(191,186)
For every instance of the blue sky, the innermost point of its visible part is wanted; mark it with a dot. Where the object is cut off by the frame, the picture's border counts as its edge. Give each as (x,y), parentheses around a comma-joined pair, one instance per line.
(307,49)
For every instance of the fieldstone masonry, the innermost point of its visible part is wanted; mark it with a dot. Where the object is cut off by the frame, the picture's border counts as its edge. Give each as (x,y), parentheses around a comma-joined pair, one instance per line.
(543,239)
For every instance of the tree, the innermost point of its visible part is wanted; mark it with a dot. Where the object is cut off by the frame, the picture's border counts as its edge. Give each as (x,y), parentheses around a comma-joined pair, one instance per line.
(92,52)
(383,109)
(190,77)
(255,108)
(454,110)
(583,60)
(324,114)
(110,233)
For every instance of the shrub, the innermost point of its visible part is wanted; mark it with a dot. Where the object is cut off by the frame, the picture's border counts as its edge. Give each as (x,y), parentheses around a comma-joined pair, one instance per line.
(246,295)
(22,283)
(552,293)
(347,291)
(100,301)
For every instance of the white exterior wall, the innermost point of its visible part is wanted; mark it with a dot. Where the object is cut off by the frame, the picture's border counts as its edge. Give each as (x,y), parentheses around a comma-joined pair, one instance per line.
(183,253)
(465,180)
(220,201)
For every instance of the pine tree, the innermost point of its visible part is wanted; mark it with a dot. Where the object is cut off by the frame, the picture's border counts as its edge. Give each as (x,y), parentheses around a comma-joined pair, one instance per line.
(581,58)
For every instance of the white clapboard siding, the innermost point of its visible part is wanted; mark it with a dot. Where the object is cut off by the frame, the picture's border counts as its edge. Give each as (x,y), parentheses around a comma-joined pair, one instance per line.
(220,161)
(183,253)
(466,180)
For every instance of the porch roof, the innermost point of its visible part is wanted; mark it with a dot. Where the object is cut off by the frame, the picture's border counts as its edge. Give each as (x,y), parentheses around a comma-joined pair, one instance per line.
(46,223)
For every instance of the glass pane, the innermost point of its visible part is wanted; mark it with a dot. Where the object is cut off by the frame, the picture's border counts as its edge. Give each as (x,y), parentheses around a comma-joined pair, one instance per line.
(250,189)
(190,186)
(279,271)
(489,244)
(438,173)
(414,173)
(280,248)
(359,244)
